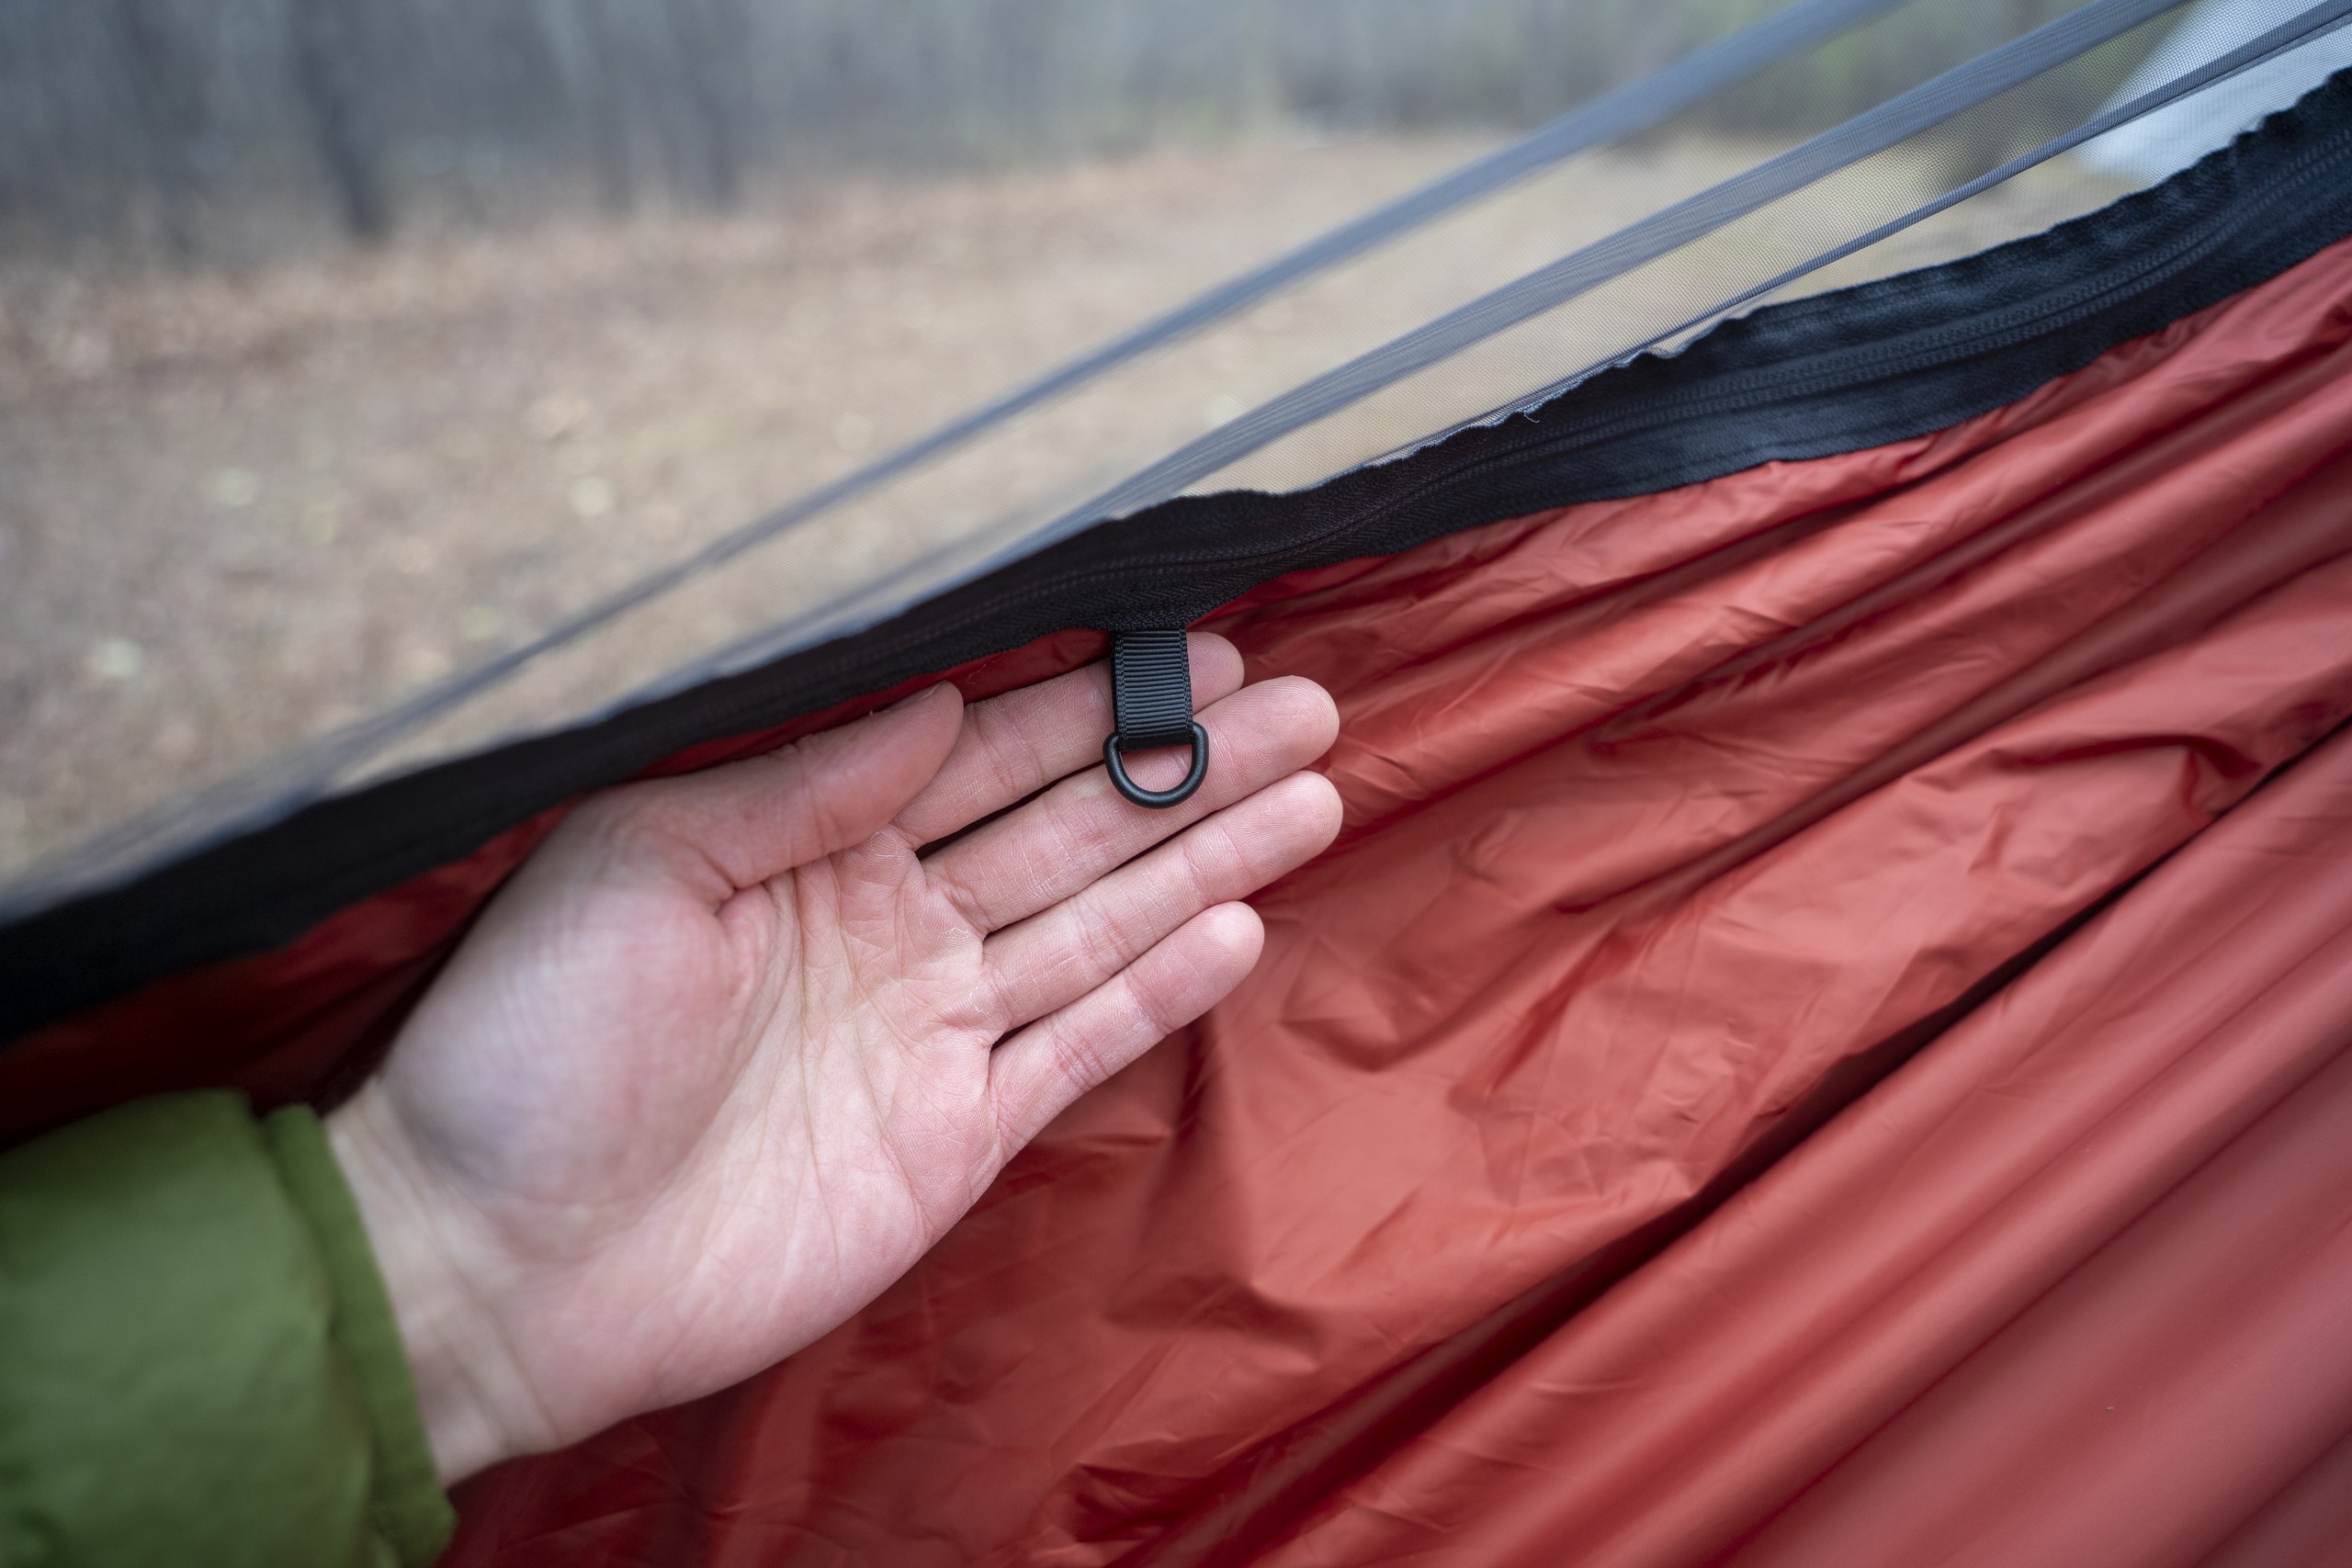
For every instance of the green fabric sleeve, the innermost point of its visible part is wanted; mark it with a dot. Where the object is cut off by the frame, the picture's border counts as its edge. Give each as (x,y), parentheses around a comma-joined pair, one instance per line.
(406,1504)
(198,1363)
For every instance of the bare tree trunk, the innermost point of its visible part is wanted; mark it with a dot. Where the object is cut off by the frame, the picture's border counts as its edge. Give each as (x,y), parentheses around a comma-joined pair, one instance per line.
(327,55)
(602,105)
(168,107)
(704,59)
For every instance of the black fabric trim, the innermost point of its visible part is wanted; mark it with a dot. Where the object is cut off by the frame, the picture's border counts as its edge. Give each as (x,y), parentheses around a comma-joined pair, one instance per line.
(1840,372)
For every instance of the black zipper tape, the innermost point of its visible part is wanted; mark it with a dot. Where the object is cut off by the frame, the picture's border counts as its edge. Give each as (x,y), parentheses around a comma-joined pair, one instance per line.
(1840,372)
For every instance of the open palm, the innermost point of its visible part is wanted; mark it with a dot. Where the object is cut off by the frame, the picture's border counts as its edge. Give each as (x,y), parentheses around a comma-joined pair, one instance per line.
(733,1050)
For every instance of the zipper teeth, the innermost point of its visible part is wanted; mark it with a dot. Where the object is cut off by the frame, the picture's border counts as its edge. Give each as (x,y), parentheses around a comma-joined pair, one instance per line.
(1926,349)
(827,678)
(1929,348)
(2139,259)
(1932,351)
(1761,387)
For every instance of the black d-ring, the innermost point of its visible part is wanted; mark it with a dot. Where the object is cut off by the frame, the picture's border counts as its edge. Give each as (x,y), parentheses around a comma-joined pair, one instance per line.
(1159,799)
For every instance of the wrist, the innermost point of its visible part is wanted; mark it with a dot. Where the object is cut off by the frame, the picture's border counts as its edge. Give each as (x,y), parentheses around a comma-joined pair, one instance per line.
(477,1403)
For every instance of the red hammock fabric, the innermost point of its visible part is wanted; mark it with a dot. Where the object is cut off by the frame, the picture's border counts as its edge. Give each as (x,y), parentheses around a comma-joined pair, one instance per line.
(2072,1288)
(1662,813)
(1520,1208)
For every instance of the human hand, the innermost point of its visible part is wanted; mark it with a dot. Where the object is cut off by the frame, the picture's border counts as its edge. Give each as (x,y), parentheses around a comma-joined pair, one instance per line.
(732,1050)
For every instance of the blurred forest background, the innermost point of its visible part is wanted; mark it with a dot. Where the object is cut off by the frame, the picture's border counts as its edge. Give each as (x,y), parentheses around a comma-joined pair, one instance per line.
(226,130)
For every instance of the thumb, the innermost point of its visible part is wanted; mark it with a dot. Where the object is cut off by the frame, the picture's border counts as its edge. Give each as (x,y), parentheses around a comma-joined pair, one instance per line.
(751,820)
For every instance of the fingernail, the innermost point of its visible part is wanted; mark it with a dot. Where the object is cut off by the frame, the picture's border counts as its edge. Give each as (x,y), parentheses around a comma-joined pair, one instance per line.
(909,700)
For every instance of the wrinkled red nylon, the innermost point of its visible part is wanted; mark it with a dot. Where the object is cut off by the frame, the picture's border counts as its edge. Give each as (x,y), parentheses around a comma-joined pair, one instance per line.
(1672,823)
(1660,811)
(2070,1288)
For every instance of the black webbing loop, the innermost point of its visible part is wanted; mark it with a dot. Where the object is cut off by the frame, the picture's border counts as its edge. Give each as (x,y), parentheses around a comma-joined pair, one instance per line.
(1151,704)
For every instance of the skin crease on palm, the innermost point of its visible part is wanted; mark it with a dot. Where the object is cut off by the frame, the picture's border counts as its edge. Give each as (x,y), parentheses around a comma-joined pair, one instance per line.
(732,1050)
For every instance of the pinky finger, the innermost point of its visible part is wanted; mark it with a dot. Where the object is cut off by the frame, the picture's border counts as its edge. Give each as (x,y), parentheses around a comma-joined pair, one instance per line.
(1037,1072)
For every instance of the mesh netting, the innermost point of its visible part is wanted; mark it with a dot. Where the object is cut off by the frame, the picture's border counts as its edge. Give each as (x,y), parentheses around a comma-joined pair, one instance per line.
(1663,231)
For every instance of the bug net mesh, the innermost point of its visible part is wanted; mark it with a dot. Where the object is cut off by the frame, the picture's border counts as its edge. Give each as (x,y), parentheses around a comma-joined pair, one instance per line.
(1463,312)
